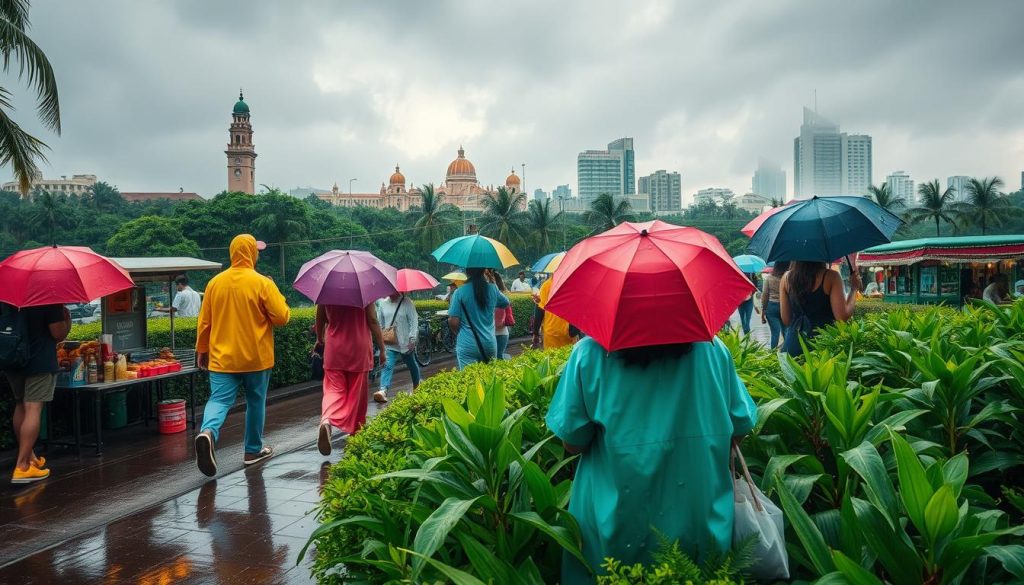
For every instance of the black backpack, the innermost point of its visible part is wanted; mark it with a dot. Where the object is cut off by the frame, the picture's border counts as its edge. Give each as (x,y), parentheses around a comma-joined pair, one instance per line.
(14,346)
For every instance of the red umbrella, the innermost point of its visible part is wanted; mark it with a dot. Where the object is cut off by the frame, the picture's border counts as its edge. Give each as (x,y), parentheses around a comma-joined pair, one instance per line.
(749,229)
(57,275)
(651,283)
(410,279)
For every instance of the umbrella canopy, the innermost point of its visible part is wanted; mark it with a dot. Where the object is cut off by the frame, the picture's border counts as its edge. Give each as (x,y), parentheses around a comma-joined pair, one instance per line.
(651,283)
(822,229)
(410,279)
(751,227)
(549,263)
(475,251)
(455,276)
(350,278)
(750,264)
(57,275)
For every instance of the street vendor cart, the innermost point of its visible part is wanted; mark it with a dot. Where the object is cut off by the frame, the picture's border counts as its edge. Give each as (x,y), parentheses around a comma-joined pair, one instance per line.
(121,358)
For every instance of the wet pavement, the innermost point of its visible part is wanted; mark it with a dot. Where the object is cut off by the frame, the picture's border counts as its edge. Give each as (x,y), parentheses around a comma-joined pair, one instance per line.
(142,513)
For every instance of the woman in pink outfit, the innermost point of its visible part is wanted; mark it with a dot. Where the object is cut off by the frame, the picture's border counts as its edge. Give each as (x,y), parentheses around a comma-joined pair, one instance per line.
(344,335)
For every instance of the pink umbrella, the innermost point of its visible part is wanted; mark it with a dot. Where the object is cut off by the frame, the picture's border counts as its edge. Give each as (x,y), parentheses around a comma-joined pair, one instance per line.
(55,275)
(410,279)
(350,278)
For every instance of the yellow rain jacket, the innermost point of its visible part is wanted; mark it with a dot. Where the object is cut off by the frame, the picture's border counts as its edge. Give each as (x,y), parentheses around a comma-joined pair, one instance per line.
(555,328)
(239,312)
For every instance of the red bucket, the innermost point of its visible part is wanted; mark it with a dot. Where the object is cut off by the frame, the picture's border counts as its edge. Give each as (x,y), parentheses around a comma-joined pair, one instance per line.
(171,414)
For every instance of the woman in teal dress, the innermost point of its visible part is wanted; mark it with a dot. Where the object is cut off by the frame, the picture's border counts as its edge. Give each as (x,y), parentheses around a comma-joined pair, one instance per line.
(654,425)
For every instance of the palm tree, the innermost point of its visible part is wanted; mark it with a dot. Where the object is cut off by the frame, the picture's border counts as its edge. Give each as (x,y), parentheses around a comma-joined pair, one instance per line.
(17,147)
(884,198)
(777,202)
(606,212)
(542,224)
(503,218)
(276,222)
(984,202)
(430,226)
(48,214)
(936,204)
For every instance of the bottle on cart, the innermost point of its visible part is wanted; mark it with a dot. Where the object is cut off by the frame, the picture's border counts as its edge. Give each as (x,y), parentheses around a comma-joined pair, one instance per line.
(92,373)
(108,370)
(99,369)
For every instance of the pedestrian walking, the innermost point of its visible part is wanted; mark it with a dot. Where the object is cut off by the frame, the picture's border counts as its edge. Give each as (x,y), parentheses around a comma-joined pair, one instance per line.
(521,284)
(471,318)
(770,311)
(235,343)
(503,318)
(746,308)
(398,314)
(811,296)
(28,353)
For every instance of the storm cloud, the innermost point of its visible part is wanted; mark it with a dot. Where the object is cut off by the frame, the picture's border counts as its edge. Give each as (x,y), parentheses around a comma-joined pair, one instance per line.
(342,90)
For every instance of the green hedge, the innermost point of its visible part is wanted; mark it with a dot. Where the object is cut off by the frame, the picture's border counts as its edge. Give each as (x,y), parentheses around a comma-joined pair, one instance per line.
(867,307)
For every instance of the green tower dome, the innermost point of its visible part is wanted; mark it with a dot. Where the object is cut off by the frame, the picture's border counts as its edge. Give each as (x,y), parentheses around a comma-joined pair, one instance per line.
(240,106)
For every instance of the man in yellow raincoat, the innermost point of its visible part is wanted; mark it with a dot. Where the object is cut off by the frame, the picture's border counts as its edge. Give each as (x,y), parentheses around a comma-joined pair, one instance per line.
(235,342)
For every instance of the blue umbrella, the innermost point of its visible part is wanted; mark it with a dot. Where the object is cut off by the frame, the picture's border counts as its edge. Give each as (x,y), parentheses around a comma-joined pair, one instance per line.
(823,229)
(749,263)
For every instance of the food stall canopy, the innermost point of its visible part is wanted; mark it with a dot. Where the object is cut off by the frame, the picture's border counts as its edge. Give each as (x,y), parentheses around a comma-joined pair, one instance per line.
(965,249)
(162,268)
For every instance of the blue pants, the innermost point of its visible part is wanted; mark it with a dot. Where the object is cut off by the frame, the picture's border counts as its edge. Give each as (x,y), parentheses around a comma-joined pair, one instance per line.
(502,346)
(746,310)
(223,390)
(389,368)
(774,316)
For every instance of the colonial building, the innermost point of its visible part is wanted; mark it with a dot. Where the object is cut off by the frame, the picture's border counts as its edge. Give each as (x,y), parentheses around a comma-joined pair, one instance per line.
(76,185)
(460,188)
(241,153)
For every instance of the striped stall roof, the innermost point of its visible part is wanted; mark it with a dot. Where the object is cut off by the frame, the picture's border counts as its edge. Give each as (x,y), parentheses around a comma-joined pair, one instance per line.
(947,249)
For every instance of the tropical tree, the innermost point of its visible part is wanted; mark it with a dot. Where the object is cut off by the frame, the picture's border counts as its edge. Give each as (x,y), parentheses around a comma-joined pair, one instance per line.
(777,202)
(607,212)
(17,147)
(542,223)
(984,203)
(936,205)
(281,219)
(433,220)
(49,212)
(883,196)
(151,235)
(503,218)
(104,197)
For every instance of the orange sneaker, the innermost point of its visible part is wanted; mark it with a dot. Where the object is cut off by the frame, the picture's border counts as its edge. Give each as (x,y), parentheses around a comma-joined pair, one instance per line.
(30,475)
(40,462)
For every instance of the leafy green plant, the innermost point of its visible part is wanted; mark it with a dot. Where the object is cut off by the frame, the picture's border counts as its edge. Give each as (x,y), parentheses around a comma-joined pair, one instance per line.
(672,566)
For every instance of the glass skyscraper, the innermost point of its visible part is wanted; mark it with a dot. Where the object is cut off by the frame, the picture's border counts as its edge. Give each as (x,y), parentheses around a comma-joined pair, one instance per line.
(625,146)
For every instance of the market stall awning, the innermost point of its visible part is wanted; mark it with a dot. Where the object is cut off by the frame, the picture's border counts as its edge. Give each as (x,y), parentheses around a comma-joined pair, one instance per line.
(160,268)
(948,249)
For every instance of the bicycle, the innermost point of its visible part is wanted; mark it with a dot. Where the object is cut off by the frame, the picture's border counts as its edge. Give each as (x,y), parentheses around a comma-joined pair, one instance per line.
(433,338)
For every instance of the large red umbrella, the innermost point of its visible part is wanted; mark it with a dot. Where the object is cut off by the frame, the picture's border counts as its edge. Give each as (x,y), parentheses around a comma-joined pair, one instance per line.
(410,279)
(751,227)
(652,283)
(57,275)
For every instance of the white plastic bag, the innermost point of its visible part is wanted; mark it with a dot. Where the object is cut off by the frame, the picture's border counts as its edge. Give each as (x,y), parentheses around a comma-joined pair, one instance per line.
(755,514)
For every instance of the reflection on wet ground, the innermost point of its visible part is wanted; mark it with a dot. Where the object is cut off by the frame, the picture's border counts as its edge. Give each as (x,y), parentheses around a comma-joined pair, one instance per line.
(246,527)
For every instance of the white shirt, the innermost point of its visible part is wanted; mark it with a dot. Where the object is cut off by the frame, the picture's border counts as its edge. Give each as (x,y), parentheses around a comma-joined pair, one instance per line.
(186,303)
(406,323)
(520,285)
(992,295)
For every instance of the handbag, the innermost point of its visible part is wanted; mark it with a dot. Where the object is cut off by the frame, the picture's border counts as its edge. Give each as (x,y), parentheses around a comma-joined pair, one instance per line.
(510,317)
(756,516)
(316,364)
(479,345)
(390,334)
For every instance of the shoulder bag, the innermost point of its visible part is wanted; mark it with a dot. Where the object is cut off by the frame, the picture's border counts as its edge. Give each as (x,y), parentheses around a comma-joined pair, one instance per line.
(486,358)
(390,334)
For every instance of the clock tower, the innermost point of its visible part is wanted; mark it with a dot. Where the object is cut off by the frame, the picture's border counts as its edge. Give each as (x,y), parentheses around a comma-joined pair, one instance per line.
(241,153)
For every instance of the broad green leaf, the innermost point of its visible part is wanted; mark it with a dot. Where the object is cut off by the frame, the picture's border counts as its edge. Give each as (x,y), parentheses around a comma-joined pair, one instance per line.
(955,471)
(529,573)
(894,550)
(868,464)
(435,529)
(457,576)
(854,573)
(806,531)
(1011,556)
(560,535)
(365,521)
(958,555)
(940,515)
(540,486)
(493,407)
(484,562)
(766,409)
(776,465)
(915,490)
(475,398)
(463,447)
(456,413)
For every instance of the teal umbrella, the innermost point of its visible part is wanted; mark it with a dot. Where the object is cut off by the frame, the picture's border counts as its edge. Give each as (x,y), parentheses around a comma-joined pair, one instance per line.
(749,263)
(475,251)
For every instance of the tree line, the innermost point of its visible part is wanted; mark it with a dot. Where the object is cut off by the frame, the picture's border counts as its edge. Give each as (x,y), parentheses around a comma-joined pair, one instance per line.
(981,208)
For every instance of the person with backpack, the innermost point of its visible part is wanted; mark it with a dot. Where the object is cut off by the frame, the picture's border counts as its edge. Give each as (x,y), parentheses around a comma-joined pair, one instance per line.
(28,357)
(811,297)
(471,318)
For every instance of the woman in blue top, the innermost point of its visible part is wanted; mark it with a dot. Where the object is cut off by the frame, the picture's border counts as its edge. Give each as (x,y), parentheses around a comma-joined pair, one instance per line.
(471,318)
(647,468)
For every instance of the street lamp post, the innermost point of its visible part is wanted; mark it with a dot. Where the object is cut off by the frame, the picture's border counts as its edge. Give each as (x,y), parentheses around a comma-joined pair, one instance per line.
(524,178)
(350,186)
(561,211)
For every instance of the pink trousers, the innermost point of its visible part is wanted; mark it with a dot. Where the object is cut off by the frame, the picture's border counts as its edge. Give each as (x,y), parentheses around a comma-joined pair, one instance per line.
(346,396)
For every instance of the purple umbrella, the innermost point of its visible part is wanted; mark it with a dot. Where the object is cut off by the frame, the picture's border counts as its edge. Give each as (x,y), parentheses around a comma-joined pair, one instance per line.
(350,278)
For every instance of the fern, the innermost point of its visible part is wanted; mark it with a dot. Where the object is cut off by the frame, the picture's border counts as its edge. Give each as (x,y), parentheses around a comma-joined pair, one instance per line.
(672,566)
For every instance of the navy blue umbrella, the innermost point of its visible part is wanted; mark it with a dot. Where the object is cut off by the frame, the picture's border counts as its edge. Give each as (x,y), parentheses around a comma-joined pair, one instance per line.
(823,229)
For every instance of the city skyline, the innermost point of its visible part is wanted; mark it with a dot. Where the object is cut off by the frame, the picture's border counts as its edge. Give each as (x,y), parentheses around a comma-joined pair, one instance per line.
(347,99)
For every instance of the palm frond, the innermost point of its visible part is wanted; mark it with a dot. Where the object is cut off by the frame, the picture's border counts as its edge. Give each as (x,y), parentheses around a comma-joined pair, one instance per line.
(34,68)
(15,12)
(19,149)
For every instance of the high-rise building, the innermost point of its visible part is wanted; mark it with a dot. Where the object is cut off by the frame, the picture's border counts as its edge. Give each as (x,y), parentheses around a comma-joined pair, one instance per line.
(717,195)
(625,146)
(827,162)
(769,180)
(901,186)
(561,192)
(241,153)
(664,190)
(539,194)
(856,167)
(598,172)
(958,184)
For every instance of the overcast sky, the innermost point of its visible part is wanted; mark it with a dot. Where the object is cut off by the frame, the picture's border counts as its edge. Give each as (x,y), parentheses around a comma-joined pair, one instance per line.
(342,90)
